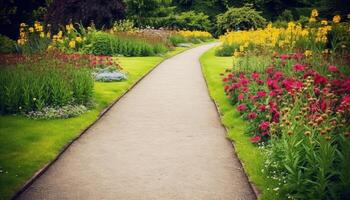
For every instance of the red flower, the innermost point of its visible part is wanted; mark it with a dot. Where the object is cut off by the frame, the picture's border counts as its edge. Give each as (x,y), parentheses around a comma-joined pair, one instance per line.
(229,75)
(255,139)
(299,67)
(264,125)
(261,93)
(333,68)
(241,107)
(251,115)
(225,79)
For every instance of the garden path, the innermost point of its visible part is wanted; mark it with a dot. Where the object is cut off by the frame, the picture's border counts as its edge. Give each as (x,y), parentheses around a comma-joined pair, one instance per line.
(162,140)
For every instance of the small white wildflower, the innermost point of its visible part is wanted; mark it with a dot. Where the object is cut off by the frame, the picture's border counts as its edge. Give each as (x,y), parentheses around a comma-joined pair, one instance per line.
(276,189)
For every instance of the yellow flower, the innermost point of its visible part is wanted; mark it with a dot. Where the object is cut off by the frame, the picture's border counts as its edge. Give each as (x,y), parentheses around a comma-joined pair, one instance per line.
(59,34)
(31,29)
(22,25)
(314,13)
(72,44)
(236,53)
(312,19)
(78,39)
(308,53)
(49,47)
(48,34)
(324,22)
(336,19)
(241,48)
(42,34)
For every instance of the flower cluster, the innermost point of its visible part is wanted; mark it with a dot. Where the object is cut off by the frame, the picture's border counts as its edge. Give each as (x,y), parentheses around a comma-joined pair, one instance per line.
(260,96)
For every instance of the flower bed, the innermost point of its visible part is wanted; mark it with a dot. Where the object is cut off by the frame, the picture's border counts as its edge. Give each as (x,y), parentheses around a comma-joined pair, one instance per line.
(298,109)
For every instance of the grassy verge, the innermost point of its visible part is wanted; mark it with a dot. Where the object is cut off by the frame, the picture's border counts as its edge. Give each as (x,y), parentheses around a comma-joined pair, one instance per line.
(249,154)
(27,145)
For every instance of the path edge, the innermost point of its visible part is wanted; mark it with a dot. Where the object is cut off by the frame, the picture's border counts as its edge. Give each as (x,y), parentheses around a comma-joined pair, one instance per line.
(250,183)
(41,171)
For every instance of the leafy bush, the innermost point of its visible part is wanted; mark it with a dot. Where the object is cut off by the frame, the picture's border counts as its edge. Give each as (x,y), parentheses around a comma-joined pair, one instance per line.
(52,80)
(7,45)
(106,44)
(226,49)
(189,20)
(243,18)
(123,26)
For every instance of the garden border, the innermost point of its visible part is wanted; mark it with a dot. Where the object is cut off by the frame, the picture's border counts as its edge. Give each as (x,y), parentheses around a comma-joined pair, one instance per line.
(41,171)
(251,184)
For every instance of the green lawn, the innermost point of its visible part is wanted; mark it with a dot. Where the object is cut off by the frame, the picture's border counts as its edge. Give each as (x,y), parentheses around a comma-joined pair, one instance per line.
(27,145)
(250,155)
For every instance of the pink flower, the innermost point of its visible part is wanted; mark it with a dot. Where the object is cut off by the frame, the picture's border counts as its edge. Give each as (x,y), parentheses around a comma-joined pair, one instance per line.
(278,75)
(299,67)
(262,107)
(261,93)
(227,88)
(245,90)
(333,68)
(270,70)
(240,97)
(264,125)
(244,81)
(251,115)
(255,139)
(319,79)
(241,107)
(255,76)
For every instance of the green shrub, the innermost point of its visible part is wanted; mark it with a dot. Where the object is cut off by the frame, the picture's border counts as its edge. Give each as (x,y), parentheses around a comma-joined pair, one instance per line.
(226,49)
(176,39)
(243,18)
(7,45)
(107,44)
(189,20)
(43,81)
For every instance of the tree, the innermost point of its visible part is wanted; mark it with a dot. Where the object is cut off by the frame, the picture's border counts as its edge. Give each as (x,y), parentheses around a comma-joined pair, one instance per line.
(147,12)
(190,20)
(242,18)
(101,12)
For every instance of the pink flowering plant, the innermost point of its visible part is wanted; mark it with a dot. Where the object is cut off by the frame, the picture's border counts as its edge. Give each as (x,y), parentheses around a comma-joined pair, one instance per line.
(301,116)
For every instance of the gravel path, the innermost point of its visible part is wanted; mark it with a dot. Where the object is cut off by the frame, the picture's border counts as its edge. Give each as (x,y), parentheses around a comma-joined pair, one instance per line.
(163,140)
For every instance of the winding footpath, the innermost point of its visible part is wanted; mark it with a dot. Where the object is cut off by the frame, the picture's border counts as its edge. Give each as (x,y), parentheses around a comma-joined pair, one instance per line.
(162,140)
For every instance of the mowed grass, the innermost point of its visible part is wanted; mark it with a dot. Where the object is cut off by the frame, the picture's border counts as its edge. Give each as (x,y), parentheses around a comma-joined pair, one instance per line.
(250,155)
(27,145)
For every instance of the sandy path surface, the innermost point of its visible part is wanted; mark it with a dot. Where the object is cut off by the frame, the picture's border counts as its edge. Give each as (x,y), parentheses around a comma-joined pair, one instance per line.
(163,140)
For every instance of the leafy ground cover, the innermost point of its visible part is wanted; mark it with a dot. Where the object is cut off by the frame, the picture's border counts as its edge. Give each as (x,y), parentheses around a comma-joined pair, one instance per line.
(26,145)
